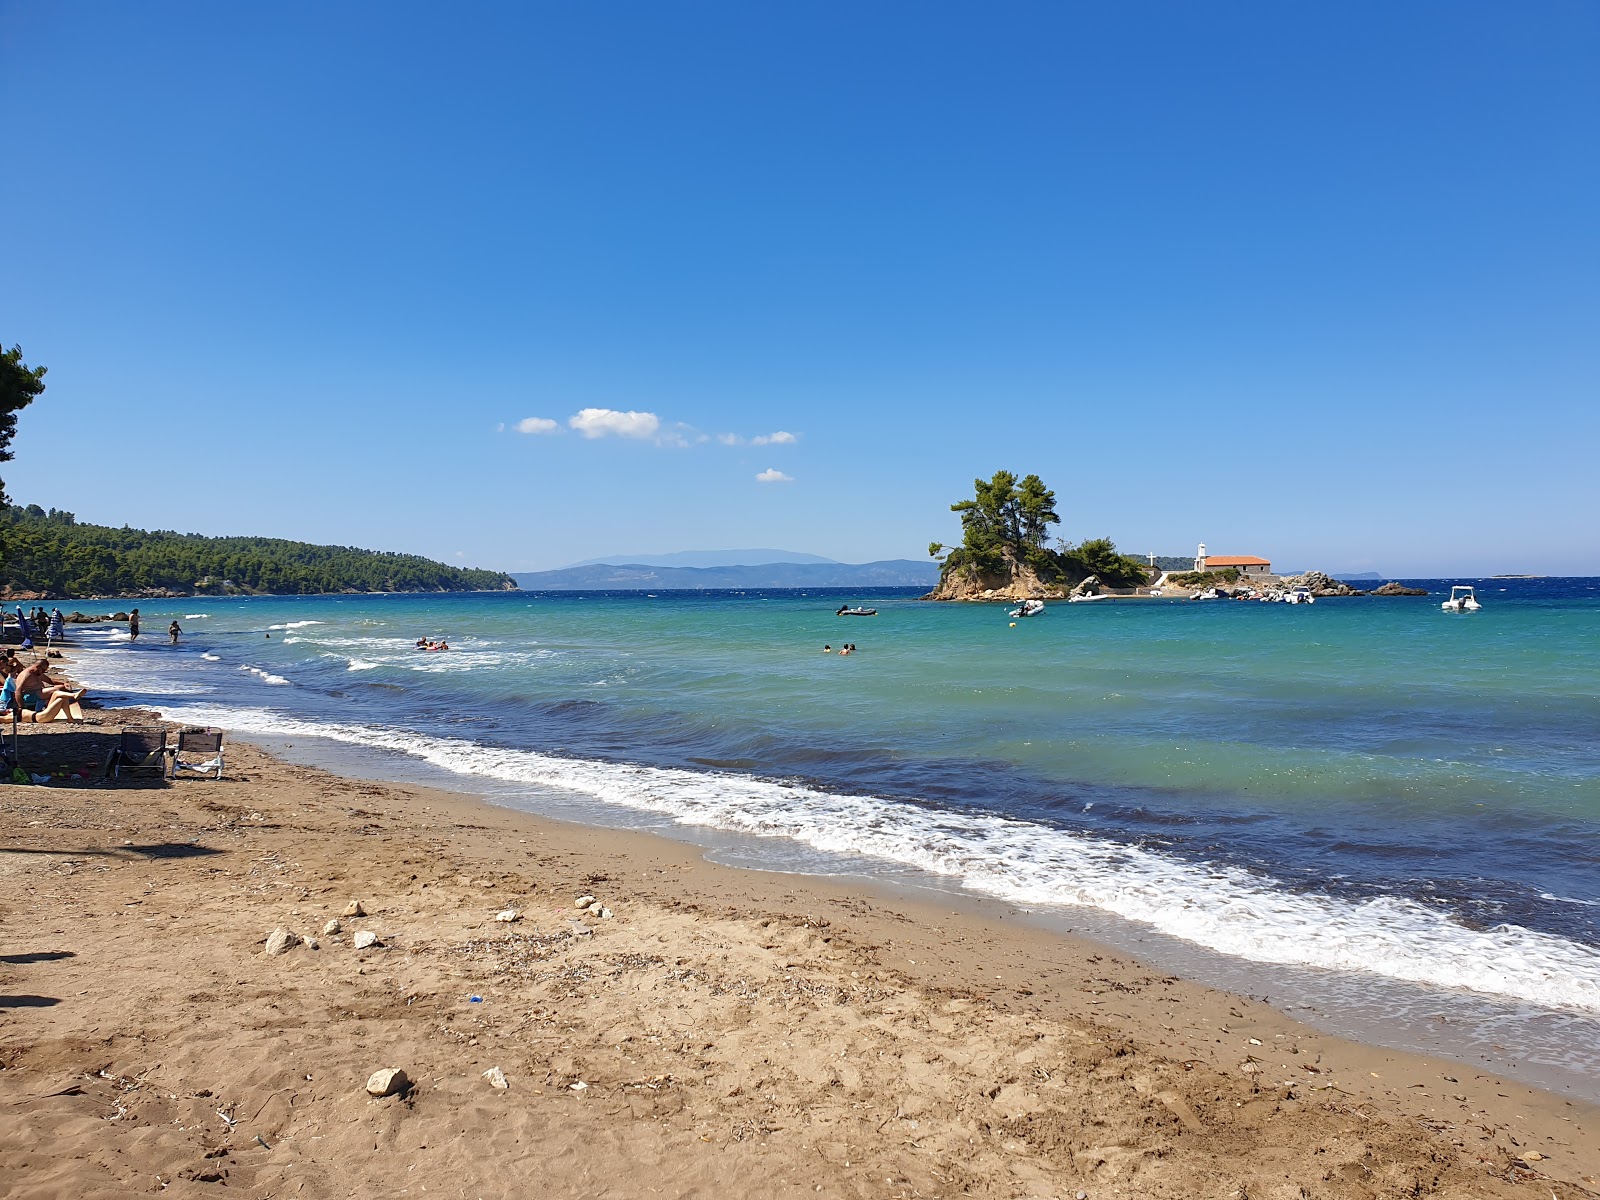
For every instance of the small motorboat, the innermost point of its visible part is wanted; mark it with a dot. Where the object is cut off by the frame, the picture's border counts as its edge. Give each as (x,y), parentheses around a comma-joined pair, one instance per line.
(1028,608)
(1300,595)
(1207,594)
(1462,600)
(1085,599)
(858,611)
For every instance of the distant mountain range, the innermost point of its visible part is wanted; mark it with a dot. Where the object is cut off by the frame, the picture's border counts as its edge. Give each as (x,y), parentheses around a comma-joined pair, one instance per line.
(705,558)
(893,572)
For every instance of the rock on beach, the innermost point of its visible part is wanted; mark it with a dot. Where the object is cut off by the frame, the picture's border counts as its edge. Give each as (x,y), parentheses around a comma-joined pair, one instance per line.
(281,941)
(391,1081)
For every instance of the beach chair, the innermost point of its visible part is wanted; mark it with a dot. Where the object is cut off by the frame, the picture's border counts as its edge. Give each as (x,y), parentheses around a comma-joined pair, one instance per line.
(208,741)
(138,750)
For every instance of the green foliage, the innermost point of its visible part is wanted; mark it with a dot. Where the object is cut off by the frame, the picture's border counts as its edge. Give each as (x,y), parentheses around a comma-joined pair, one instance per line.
(1204,579)
(1005,515)
(19,384)
(1099,556)
(50,552)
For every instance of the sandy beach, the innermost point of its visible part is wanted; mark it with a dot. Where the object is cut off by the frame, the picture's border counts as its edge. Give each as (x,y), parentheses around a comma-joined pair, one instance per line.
(723,1032)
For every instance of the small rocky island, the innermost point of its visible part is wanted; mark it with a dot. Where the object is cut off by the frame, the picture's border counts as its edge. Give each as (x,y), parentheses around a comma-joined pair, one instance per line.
(1005,553)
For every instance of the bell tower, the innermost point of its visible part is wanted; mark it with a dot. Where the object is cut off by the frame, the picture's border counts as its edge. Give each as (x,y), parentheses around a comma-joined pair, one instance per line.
(1200,558)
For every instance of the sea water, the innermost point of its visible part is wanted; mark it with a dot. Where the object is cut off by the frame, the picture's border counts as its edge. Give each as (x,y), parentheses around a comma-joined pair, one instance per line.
(1370,809)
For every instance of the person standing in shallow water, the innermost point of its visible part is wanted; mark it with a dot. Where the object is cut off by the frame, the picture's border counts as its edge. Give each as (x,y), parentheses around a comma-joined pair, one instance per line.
(133,625)
(173,631)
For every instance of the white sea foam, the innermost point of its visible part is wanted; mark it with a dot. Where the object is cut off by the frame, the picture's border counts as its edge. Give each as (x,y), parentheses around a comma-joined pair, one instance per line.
(294,624)
(212,657)
(195,616)
(1219,907)
(266,676)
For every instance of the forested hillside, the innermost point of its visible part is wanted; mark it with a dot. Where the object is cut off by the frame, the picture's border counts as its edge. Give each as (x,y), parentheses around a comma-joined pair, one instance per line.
(51,554)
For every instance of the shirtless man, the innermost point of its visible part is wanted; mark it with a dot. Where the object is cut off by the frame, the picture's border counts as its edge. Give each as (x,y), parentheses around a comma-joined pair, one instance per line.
(47,699)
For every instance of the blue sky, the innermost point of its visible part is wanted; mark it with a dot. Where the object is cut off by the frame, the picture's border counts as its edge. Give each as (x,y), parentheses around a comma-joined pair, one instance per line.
(1317,282)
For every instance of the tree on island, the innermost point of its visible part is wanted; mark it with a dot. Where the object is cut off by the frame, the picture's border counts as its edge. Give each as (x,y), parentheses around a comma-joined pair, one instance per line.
(1005,527)
(19,384)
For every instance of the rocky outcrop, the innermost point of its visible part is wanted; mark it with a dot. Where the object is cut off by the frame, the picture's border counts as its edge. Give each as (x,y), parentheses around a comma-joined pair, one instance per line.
(1397,589)
(1320,584)
(1014,581)
(1088,587)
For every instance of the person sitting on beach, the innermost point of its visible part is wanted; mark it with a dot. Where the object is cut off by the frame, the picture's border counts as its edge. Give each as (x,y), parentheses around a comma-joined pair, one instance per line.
(37,697)
(174,631)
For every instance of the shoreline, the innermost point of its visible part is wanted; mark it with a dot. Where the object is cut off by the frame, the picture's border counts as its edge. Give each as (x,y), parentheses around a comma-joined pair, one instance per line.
(1174,1064)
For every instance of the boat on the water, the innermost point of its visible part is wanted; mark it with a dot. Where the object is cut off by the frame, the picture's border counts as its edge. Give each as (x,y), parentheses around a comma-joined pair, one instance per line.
(1462,599)
(846,611)
(1085,599)
(1028,608)
(1300,595)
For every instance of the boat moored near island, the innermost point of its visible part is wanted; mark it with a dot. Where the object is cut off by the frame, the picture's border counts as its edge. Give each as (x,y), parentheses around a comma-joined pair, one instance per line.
(1463,599)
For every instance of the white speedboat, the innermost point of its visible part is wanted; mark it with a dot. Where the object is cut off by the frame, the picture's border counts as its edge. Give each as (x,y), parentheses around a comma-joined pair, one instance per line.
(1462,599)
(1028,608)
(1086,599)
(1300,595)
(1208,594)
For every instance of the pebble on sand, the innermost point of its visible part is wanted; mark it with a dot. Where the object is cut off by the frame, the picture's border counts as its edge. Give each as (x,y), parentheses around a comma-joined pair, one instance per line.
(508,915)
(331,928)
(354,909)
(364,939)
(280,940)
(496,1078)
(391,1081)
(583,902)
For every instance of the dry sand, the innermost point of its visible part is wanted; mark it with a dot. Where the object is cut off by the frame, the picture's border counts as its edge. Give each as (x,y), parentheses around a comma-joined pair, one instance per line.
(725,1033)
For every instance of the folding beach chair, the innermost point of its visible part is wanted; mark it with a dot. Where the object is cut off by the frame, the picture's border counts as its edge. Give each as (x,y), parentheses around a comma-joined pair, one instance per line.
(198,742)
(138,750)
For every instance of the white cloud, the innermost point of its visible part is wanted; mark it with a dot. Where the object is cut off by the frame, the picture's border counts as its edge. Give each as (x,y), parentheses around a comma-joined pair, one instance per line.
(773,475)
(774,439)
(538,425)
(730,439)
(601,422)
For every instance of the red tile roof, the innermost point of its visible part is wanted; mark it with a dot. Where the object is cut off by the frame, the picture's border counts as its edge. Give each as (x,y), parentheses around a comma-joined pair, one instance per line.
(1236,560)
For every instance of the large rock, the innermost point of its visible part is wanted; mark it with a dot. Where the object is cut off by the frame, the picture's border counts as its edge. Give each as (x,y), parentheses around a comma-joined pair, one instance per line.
(1012,582)
(364,939)
(1397,589)
(1320,584)
(1088,587)
(281,941)
(391,1081)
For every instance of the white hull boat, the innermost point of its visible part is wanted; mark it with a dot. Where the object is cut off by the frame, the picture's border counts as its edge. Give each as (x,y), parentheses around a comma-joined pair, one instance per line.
(1462,600)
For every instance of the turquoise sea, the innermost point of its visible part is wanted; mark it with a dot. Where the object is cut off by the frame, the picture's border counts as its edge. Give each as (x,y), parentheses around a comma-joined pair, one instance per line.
(1383,815)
